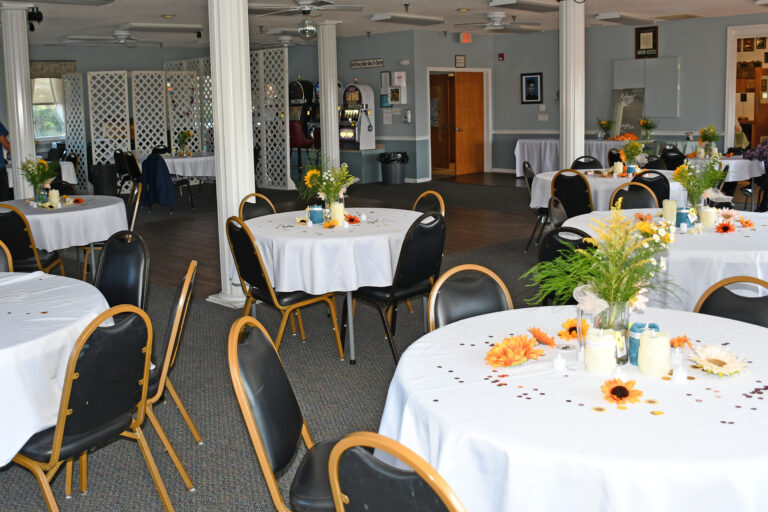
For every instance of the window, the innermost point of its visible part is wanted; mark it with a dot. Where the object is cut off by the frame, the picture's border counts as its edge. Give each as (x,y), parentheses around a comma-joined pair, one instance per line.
(48,108)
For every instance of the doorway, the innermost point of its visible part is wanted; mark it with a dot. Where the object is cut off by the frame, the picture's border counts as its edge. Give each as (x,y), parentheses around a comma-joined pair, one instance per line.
(457,122)
(746,86)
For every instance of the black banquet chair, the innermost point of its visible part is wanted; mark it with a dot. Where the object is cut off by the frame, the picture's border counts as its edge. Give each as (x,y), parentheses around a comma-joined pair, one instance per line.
(718,300)
(613,156)
(655,181)
(634,195)
(551,246)
(255,205)
(541,213)
(6,260)
(573,191)
(122,275)
(360,481)
(429,201)
(465,291)
(655,162)
(418,266)
(673,158)
(16,234)
(586,162)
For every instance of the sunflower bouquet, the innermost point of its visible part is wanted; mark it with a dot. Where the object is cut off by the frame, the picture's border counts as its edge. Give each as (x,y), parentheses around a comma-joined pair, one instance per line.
(696,180)
(38,173)
(325,181)
(605,126)
(708,134)
(182,140)
(630,151)
(647,125)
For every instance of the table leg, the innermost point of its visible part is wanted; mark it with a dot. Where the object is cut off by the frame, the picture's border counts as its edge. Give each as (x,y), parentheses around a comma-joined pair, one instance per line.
(752,197)
(350,329)
(93,263)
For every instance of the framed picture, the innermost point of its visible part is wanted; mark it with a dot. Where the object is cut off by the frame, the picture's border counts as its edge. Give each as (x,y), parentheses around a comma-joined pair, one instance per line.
(748,45)
(385,79)
(530,88)
(646,42)
(759,43)
(765,57)
(459,61)
(738,45)
(394,95)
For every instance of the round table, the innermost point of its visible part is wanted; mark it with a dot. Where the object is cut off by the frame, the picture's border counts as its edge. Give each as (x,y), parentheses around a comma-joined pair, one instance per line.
(697,261)
(600,187)
(42,317)
(534,438)
(68,173)
(544,154)
(317,260)
(739,169)
(198,166)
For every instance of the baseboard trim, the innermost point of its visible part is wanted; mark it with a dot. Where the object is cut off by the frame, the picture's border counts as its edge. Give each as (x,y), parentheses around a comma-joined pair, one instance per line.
(226,300)
(417,180)
(503,170)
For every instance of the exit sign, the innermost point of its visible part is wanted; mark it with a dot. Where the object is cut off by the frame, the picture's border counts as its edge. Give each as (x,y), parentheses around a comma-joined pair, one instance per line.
(465,37)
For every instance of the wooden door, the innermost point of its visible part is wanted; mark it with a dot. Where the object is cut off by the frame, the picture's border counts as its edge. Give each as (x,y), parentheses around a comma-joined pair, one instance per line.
(469,132)
(439,121)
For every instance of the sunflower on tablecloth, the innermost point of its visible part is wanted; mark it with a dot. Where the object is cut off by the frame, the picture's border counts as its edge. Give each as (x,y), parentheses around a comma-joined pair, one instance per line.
(513,351)
(621,393)
(569,329)
(680,342)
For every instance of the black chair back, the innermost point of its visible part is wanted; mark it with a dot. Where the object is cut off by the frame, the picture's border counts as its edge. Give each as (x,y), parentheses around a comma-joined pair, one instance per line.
(121,162)
(104,179)
(271,400)
(613,156)
(245,253)
(529,174)
(735,151)
(14,234)
(586,162)
(655,162)
(666,147)
(422,251)
(557,215)
(572,189)
(673,158)
(722,302)
(255,205)
(6,260)
(466,291)
(161,149)
(559,239)
(429,201)
(55,154)
(655,181)
(133,166)
(634,195)
(122,275)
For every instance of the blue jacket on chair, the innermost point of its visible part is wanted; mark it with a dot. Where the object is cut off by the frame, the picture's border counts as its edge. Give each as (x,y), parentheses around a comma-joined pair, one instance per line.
(156,182)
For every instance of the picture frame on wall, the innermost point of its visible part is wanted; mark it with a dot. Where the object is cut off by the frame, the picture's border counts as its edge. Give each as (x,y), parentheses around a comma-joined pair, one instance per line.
(759,43)
(386,79)
(531,88)
(748,44)
(459,61)
(646,42)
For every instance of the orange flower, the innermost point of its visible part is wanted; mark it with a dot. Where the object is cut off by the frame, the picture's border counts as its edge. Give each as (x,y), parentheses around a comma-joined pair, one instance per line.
(78,200)
(725,227)
(691,155)
(352,219)
(330,224)
(542,337)
(680,342)
(513,351)
(570,329)
(701,141)
(618,392)
(746,223)
(622,155)
(647,218)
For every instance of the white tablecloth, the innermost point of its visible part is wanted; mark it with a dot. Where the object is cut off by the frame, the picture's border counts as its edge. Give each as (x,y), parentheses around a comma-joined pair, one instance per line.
(95,220)
(738,168)
(601,188)
(67,173)
(544,154)
(695,262)
(528,438)
(202,166)
(41,316)
(318,260)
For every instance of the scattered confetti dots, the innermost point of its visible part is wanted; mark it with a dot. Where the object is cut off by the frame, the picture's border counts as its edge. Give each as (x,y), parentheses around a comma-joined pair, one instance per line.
(43,312)
(691,377)
(435,400)
(598,409)
(657,413)
(699,400)
(651,401)
(501,384)
(666,378)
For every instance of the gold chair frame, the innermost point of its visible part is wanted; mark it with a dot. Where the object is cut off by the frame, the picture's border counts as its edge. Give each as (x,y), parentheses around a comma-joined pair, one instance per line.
(632,184)
(421,467)
(285,311)
(586,182)
(258,196)
(725,282)
(33,245)
(434,193)
(45,471)
(8,256)
(453,271)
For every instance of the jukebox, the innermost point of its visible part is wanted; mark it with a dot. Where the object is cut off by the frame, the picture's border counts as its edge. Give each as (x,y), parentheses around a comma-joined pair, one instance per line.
(356,119)
(301,105)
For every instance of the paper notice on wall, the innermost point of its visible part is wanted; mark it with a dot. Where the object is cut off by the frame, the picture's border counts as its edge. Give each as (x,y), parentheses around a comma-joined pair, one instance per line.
(387,116)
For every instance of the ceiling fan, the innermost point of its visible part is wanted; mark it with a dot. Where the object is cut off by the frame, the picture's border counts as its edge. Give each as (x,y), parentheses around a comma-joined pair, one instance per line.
(497,24)
(119,37)
(305,7)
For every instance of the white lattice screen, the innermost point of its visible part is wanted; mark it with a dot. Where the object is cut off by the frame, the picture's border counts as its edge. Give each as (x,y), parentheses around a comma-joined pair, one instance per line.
(206,105)
(270,99)
(174,65)
(74,113)
(183,106)
(148,102)
(108,101)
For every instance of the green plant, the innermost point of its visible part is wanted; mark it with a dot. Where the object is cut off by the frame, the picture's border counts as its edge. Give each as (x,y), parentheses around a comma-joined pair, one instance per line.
(708,134)
(37,172)
(631,151)
(647,124)
(619,266)
(183,138)
(605,125)
(695,180)
(325,180)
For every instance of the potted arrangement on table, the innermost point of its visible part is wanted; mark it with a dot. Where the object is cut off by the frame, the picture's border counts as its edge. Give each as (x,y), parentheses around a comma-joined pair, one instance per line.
(39,174)
(707,138)
(647,125)
(631,153)
(182,141)
(611,276)
(328,183)
(696,180)
(605,128)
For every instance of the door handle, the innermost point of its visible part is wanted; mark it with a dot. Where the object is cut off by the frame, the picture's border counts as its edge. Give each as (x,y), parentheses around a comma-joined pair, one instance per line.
(459,130)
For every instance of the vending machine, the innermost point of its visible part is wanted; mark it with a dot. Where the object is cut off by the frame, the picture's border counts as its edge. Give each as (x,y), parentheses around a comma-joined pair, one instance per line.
(357,127)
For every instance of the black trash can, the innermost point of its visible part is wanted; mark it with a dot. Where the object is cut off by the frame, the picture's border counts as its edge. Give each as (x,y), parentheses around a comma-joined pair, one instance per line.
(393,167)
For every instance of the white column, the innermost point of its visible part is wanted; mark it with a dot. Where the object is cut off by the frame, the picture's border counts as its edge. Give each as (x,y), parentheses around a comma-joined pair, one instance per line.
(231,80)
(572,76)
(18,92)
(329,95)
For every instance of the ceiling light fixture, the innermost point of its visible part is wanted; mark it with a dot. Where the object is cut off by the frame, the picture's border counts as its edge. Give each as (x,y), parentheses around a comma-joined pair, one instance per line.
(408,19)
(623,19)
(525,5)
(463,10)
(761,2)
(169,16)
(307,29)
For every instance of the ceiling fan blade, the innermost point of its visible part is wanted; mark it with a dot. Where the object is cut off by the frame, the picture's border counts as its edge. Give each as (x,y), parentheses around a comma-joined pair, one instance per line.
(161,27)
(89,38)
(339,8)
(470,25)
(516,29)
(272,9)
(282,31)
(523,24)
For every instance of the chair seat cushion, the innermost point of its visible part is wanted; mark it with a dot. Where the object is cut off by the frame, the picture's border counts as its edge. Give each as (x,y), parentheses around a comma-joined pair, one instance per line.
(311,487)
(381,294)
(283,298)
(30,265)
(40,445)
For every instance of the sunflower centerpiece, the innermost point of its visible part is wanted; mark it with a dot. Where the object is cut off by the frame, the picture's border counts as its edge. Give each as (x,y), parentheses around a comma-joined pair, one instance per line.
(708,140)
(328,183)
(182,142)
(38,173)
(697,179)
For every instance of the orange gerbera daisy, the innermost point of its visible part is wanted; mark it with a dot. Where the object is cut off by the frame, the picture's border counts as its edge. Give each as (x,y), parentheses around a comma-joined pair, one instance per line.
(746,223)
(569,332)
(330,224)
(619,392)
(725,227)
(622,155)
(78,200)
(513,351)
(352,219)
(542,337)
(647,217)
(680,342)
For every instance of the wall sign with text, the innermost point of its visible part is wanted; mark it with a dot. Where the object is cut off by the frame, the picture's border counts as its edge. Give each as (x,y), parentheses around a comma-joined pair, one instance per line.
(366,63)
(646,42)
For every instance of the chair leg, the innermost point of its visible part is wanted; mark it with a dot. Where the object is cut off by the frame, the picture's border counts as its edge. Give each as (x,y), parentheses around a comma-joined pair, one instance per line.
(393,324)
(343,333)
(408,303)
(297,314)
(540,221)
(183,411)
(281,329)
(85,263)
(83,463)
(169,448)
(42,481)
(293,324)
(386,331)
(247,307)
(189,191)
(68,479)
(332,310)
(159,485)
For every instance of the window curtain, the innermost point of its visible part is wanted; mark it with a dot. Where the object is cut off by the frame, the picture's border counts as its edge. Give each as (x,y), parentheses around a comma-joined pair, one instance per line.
(50,68)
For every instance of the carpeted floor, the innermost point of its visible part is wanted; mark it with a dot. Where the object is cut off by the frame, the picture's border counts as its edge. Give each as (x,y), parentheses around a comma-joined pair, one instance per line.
(336,397)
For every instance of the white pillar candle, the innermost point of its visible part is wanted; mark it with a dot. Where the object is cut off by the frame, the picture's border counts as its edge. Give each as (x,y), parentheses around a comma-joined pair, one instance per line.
(618,168)
(653,355)
(337,211)
(669,210)
(600,351)
(53,197)
(708,217)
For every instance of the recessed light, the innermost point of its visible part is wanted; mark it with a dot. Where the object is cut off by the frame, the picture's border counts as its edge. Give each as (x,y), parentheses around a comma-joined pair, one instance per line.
(463,10)
(169,16)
